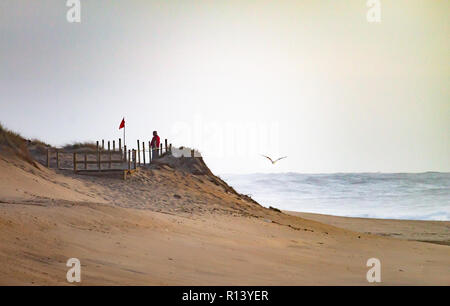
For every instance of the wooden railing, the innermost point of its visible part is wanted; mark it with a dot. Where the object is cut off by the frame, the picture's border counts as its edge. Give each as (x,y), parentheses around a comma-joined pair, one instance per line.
(106,158)
(109,156)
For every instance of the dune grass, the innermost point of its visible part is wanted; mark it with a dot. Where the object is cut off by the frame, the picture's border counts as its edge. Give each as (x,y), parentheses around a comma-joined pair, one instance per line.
(15,143)
(10,138)
(81,145)
(38,142)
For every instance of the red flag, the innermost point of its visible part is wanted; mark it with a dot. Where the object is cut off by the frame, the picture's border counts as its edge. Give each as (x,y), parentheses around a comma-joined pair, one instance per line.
(122,124)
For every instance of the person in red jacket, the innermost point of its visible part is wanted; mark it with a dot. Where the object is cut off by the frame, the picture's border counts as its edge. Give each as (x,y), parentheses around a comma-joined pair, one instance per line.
(155,144)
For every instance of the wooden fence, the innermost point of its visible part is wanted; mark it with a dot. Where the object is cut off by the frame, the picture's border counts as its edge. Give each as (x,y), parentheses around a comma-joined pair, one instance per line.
(107,159)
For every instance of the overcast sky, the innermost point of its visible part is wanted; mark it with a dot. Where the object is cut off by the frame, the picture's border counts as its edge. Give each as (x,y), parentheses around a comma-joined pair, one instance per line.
(312,80)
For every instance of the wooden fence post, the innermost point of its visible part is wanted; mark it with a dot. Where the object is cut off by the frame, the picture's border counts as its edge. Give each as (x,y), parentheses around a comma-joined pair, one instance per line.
(139,152)
(99,157)
(109,154)
(160,151)
(125,153)
(192,153)
(120,145)
(134,154)
(85,161)
(129,159)
(74,162)
(57,159)
(143,151)
(103,144)
(114,146)
(48,158)
(149,153)
(170,148)
(97,146)
(165,141)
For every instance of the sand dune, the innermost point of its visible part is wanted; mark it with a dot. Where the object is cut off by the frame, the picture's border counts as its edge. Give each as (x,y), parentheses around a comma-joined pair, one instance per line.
(20,180)
(170,225)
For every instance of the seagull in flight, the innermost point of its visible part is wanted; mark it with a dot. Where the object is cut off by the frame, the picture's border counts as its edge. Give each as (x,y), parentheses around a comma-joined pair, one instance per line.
(273,161)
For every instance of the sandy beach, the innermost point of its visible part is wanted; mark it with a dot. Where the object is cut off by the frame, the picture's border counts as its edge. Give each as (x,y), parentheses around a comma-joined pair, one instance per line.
(173,224)
(427,231)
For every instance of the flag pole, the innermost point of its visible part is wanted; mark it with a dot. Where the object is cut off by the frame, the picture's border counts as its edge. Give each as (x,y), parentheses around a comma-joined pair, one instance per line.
(124,143)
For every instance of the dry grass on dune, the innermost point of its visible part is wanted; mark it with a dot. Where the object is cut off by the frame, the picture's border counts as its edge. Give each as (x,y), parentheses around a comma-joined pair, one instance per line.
(16,144)
(13,139)
(10,138)
(81,145)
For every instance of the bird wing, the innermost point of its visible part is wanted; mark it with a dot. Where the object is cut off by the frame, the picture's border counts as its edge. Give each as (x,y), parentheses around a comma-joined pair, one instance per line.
(280,159)
(268,158)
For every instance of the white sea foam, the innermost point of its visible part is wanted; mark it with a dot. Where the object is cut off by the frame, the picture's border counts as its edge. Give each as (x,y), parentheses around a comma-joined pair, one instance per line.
(421,196)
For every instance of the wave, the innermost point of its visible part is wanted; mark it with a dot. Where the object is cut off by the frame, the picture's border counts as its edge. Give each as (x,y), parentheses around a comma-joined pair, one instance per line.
(414,196)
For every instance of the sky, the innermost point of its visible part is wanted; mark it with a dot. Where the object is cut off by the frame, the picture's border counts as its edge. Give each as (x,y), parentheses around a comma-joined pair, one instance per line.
(312,80)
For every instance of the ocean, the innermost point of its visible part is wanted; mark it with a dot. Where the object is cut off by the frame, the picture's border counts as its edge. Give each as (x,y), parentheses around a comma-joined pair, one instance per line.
(413,196)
